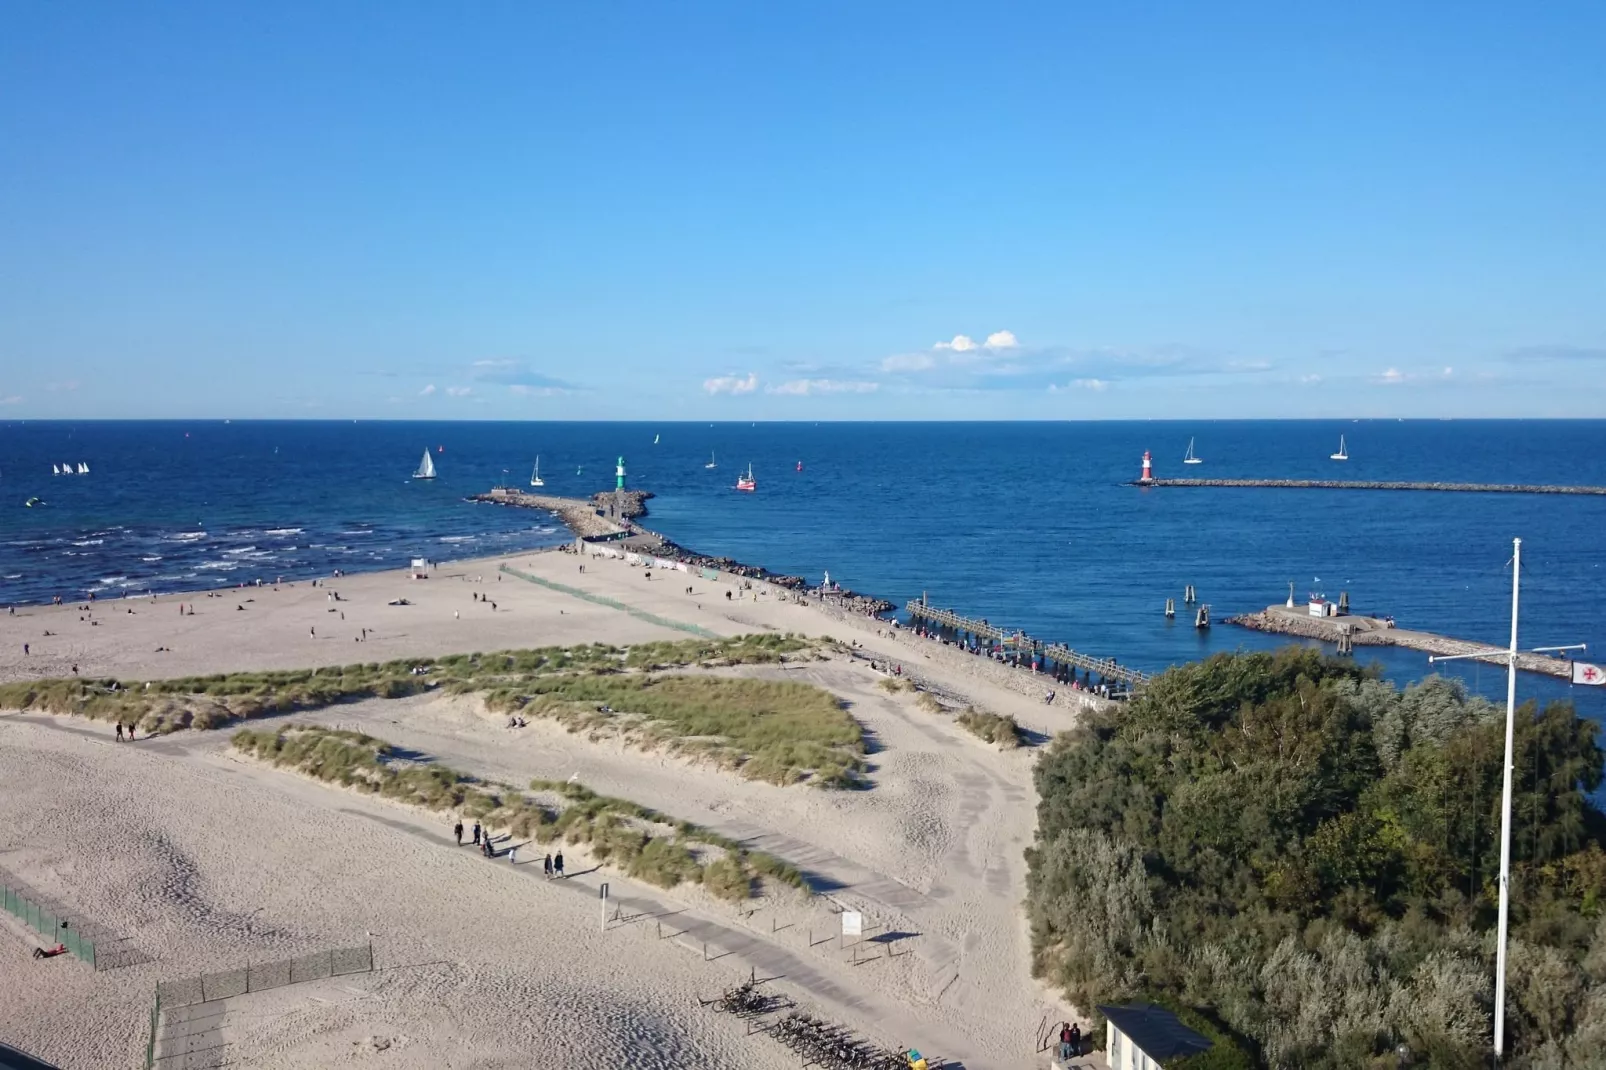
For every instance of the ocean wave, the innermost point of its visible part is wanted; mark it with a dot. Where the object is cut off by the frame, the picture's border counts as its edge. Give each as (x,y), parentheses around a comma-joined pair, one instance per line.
(283,531)
(240,550)
(458,538)
(88,542)
(152,557)
(220,566)
(13,576)
(187,536)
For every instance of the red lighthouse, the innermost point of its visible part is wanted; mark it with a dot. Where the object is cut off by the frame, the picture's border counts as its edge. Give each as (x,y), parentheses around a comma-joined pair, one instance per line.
(1148,469)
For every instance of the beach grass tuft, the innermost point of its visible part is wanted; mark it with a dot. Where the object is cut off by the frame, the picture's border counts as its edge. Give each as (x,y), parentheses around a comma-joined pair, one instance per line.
(991,727)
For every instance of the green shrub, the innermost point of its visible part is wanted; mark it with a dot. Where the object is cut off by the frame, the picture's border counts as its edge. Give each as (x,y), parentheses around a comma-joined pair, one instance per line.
(991,727)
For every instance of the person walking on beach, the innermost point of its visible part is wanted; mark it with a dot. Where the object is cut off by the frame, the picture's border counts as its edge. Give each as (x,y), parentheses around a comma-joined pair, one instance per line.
(24,649)
(557,863)
(512,852)
(476,832)
(313,632)
(1065,1040)
(457,830)
(546,865)
(119,731)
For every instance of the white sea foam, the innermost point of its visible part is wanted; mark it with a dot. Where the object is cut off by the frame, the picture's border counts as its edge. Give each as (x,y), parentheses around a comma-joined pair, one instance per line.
(221,566)
(283,531)
(152,557)
(188,536)
(458,538)
(88,542)
(240,550)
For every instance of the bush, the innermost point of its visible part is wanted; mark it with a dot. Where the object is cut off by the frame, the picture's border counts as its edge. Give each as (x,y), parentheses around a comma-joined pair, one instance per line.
(1306,855)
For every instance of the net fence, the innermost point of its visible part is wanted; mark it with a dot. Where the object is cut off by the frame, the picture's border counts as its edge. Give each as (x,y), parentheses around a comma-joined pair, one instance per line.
(262,976)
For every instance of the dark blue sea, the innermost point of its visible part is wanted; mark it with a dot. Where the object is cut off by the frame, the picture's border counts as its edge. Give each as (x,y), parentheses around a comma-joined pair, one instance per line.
(1026,524)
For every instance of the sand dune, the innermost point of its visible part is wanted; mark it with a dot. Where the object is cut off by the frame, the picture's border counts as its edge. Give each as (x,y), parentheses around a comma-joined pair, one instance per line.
(208,860)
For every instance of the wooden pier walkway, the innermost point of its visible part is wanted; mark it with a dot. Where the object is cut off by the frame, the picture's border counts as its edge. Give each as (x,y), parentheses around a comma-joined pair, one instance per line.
(1019,642)
(1344,484)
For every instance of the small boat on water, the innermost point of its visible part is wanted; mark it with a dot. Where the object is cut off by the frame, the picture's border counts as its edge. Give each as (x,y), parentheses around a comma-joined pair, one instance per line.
(747,482)
(83,469)
(31,502)
(67,469)
(710,463)
(1342,454)
(800,466)
(1190,458)
(426,467)
(55,469)
(655,440)
(535,476)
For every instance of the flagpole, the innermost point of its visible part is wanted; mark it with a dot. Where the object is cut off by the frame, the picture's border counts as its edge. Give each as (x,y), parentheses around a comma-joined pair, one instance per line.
(1510,656)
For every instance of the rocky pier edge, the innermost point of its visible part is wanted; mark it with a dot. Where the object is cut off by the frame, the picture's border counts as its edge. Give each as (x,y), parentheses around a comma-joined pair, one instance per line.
(587,519)
(1366,631)
(1346,484)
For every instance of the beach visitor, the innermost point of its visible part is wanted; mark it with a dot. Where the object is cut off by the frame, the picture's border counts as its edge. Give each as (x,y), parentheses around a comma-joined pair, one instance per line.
(24,649)
(313,632)
(1076,1040)
(546,865)
(1065,1040)
(119,731)
(457,830)
(512,852)
(476,832)
(557,863)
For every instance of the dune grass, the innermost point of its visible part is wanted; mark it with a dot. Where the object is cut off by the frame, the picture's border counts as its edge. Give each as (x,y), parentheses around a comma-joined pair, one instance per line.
(636,840)
(160,706)
(991,727)
(776,731)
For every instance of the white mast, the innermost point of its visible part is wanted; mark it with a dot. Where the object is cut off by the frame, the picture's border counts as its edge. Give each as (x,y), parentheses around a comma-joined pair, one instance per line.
(1510,656)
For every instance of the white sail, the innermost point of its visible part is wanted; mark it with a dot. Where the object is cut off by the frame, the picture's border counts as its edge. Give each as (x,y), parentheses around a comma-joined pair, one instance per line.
(83,469)
(710,463)
(535,476)
(1342,454)
(426,467)
(1190,458)
(67,468)
(55,469)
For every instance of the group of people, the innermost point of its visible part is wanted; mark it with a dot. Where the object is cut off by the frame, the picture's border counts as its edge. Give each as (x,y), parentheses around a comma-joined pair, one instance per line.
(552,865)
(1070,1040)
(129,728)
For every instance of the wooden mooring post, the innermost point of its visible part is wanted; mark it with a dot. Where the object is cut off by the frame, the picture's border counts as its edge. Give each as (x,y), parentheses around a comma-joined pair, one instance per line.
(1170,608)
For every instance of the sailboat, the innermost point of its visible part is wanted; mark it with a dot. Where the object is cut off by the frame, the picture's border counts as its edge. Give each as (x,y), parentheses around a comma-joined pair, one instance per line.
(426,467)
(1190,458)
(710,463)
(55,469)
(67,469)
(535,476)
(747,482)
(655,440)
(1342,454)
(83,469)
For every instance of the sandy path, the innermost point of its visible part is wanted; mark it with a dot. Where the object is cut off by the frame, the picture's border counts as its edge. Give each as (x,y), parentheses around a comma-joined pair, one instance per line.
(932,852)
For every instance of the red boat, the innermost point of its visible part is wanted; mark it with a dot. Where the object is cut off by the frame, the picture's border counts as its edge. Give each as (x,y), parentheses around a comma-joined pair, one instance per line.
(746,482)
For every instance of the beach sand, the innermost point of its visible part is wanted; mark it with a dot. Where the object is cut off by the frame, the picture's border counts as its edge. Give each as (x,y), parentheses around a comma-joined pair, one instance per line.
(205,860)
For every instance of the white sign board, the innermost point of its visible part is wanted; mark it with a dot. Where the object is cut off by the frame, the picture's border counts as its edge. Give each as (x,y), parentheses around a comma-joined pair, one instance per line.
(852,923)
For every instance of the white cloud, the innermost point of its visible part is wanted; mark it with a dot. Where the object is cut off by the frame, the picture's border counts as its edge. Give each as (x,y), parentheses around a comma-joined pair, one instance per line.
(962,343)
(825,386)
(731,384)
(14,399)
(459,391)
(1313,378)
(1001,340)
(1390,377)
(427,391)
(1448,371)
(525,390)
(1095,385)
(70,384)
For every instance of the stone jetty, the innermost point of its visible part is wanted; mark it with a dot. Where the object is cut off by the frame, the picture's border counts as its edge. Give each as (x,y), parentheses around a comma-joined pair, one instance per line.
(1371,631)
(1346,484)
(611,515)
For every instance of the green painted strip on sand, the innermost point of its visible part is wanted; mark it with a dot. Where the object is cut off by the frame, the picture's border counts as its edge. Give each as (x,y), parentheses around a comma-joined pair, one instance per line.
(613,603)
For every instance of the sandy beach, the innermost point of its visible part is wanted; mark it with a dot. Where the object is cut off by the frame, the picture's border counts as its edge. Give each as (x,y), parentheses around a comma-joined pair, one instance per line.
(205,860)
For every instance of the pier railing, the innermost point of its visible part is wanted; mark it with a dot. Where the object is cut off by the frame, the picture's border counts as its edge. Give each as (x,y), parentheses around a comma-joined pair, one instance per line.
(1018,641)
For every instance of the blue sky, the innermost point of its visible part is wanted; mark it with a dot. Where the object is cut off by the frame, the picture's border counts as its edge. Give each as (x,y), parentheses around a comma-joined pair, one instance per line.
(802,211)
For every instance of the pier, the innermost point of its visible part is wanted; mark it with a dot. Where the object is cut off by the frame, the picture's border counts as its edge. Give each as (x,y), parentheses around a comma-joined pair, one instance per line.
(1349,632)
(1346,484)
(1017,644)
